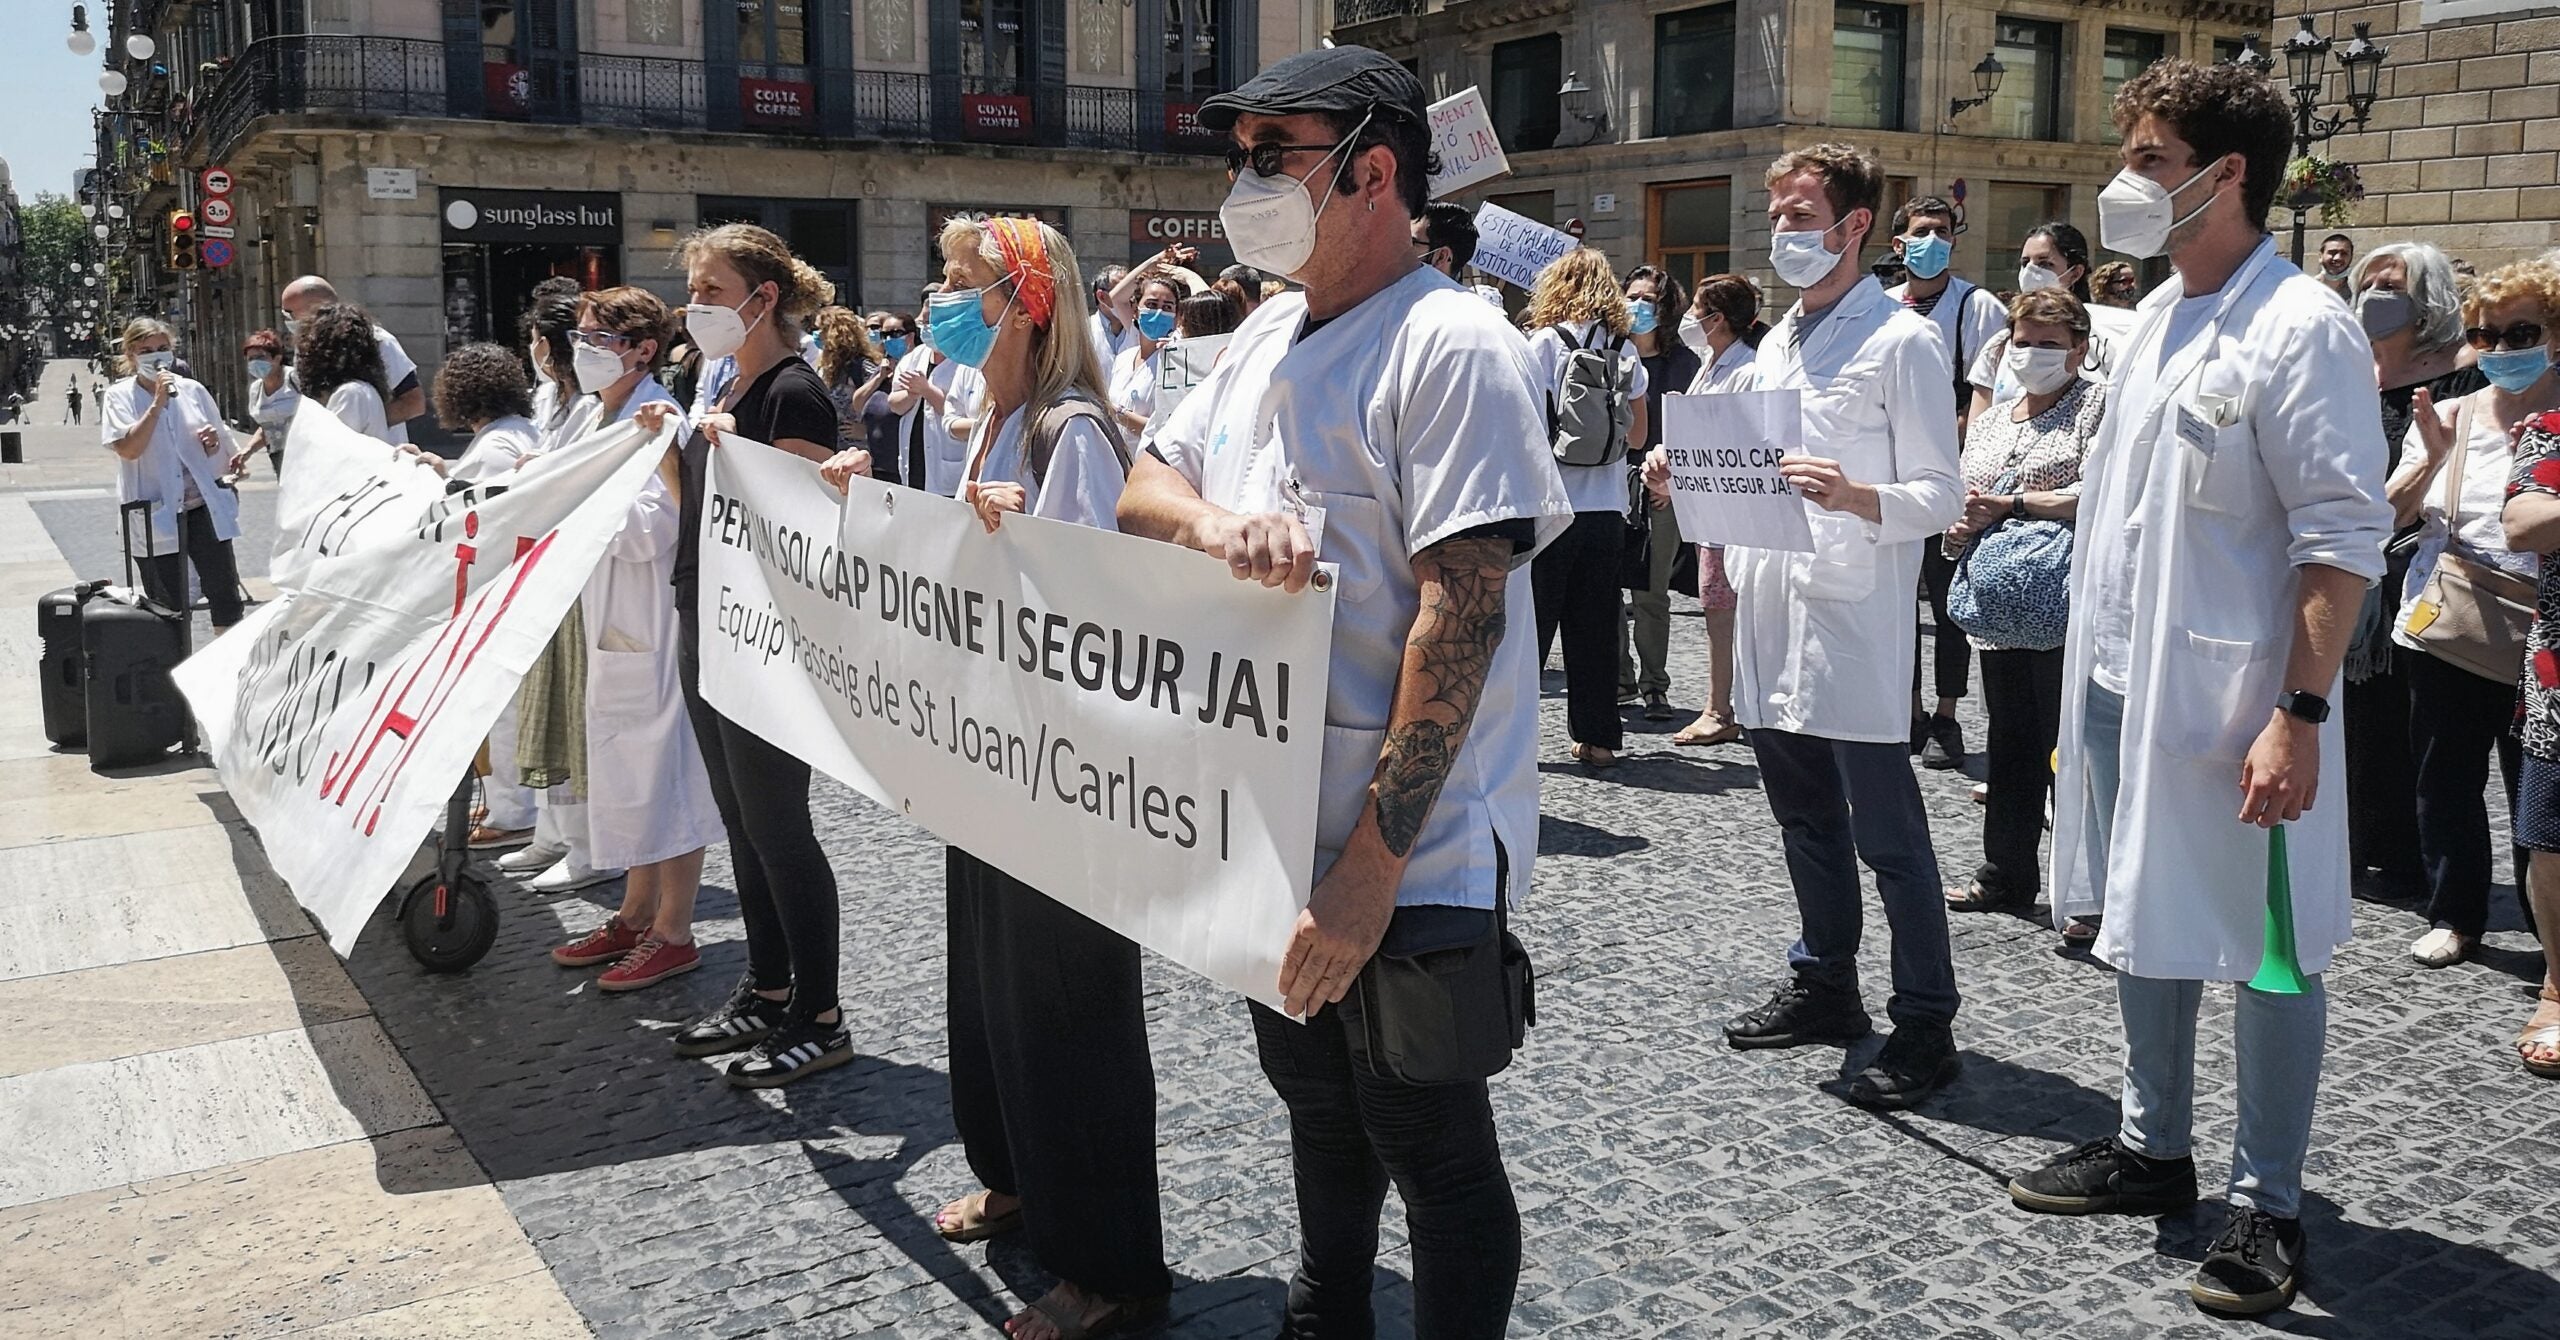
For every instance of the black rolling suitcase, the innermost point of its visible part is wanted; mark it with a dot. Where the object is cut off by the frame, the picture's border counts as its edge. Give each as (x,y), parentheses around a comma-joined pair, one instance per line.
(135,714)
(62,669)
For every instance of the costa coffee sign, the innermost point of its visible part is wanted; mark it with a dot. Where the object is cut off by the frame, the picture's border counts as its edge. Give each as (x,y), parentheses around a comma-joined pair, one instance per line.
(1182,124)
(777,102)
(996,116)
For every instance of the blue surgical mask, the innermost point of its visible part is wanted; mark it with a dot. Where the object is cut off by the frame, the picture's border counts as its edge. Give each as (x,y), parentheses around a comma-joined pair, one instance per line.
(1641,315)
(1926,257)
(261,368)
(895,346)
(2512,370)
(1154,322)
(960,326)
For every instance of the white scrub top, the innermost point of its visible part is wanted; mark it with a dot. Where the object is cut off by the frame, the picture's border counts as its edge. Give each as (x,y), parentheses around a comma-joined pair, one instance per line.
(1084,481)
(397,367)
(176,463)
(1133,380)
(1408,421)
(496,450)
(1593,488)
(946,455)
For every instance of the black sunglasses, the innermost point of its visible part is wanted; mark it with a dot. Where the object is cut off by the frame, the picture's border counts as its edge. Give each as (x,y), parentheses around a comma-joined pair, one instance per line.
(1268,158)
(2521,335)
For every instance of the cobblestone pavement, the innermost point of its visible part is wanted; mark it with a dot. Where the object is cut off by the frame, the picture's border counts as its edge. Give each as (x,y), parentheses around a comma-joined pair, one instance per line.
(1670,1186)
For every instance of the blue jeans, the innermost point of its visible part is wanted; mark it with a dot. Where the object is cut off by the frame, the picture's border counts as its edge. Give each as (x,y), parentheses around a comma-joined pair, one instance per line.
(2276,1040)
(1837,802)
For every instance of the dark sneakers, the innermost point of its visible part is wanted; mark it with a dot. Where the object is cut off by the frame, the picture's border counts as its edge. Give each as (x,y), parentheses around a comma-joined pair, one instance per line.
(799,1047)
(1944,747)
(2104,1177)
(1916,1061)
(1801,1014)
(741,1022)
(2253,1266)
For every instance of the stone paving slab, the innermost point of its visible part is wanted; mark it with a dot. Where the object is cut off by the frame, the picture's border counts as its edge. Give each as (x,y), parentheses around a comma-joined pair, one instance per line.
(163,1004)
(126,897)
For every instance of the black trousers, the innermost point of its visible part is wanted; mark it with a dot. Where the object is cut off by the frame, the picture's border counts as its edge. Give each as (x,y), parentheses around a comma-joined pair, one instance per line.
(786,889)
(1052,1086)
(2456,719)
(1575,580)
(2022,694)
(2382,792)
(1351,1134)
(164,576)
(1949,646)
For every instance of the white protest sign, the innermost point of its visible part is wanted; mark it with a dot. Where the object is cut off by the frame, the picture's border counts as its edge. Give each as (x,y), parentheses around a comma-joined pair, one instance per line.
(1515,247)
(1182,365)
(1119,723)
(1725,487)
(343,713)
(1462,132)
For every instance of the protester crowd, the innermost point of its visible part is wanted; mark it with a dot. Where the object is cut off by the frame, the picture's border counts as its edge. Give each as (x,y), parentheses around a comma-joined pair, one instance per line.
(2162,524)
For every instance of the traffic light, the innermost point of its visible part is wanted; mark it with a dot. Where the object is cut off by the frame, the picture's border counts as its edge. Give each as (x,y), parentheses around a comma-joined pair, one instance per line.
(185,251)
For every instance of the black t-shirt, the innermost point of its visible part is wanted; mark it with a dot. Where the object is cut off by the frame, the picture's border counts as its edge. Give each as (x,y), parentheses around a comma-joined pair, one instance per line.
(1668,372)
(787,401)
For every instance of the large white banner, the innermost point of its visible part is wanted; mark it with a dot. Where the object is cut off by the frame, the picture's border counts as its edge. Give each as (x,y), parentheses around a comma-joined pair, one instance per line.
(343,713)
(1118,723)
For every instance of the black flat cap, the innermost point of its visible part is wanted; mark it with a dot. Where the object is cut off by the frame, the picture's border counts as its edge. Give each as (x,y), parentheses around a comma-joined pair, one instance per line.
(1327,79)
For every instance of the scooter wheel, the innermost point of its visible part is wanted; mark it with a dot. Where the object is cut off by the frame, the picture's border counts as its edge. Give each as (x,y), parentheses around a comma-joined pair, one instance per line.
(448,927)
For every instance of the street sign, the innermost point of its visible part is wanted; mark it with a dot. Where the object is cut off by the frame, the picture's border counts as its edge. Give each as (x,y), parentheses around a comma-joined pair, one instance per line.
(216,210)
(217,253)
(216,180)
(208,230)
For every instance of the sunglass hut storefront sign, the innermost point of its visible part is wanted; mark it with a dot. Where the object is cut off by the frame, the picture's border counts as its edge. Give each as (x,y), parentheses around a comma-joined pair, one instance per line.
(592,218)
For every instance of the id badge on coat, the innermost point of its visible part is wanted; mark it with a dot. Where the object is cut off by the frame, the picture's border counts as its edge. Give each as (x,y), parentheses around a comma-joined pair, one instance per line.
(2199,440)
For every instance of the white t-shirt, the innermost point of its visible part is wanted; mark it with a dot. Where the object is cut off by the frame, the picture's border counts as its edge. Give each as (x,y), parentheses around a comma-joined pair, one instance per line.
(2110,606)
(2485,467)
(1593,488)
(397,367)
(496,450)
(1407,420)
(1133,381)
(359,406)
(274,412)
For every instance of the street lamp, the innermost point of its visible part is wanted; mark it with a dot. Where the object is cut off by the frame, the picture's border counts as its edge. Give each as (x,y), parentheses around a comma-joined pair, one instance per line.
(80,41)
(2251,58)
(1986,81)
(2362,58)
(1570,96)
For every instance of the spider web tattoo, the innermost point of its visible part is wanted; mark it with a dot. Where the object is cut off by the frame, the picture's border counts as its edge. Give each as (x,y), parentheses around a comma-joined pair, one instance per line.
(1446,658)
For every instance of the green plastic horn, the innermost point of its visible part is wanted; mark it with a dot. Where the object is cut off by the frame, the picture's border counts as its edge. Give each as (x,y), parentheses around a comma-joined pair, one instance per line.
(2279,972)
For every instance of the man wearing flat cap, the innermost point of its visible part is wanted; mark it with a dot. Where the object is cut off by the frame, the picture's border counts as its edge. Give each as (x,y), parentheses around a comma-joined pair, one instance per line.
(1381,422)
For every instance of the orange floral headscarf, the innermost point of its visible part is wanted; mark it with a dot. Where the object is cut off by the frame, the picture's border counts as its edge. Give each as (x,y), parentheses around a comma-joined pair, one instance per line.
(1026,257)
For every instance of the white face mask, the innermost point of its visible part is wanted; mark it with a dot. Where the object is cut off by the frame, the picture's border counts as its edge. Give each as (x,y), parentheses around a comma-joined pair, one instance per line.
(1693,333)
(1270,222)
(155,362)
(2041,371)
(1801,259)
(597,368)
(2136,214)
(2032,277)
(718,331)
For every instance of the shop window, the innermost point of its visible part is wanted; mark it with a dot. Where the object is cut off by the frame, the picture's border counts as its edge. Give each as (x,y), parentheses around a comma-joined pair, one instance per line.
(773,32)
(1526,74)
(1193,31)
(1867,54)
(1689,228)
(993,56)
(2130,51)
(1693,70)
(2028,104)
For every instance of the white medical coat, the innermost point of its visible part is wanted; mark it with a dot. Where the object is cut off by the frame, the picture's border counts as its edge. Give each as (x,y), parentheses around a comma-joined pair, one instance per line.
(1823,642)
(160,474)
(2293,475)
(1406,420)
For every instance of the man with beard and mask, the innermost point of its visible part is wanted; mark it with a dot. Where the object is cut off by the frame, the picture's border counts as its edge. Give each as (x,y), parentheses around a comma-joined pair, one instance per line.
(1380,421)
(2337,255)
(2230,520)
(1824,642)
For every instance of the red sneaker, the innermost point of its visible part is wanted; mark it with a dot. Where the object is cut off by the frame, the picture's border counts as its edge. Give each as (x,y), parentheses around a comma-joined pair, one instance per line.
(605,943)
(651,961)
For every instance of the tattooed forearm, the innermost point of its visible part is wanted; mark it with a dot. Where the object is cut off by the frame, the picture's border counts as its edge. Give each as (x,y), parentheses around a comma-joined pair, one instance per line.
(1446,658)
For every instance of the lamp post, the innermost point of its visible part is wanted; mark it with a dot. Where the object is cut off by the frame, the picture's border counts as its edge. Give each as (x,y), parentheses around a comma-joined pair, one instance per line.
(1986,81)
(2362,58)
(1572,95)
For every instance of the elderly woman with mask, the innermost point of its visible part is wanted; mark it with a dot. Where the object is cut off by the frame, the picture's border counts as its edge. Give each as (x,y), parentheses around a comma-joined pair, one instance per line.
(2405,295)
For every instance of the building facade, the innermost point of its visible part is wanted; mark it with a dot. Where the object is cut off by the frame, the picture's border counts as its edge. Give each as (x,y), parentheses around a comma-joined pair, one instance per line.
(1675,108)
(437,158)
(2463,147)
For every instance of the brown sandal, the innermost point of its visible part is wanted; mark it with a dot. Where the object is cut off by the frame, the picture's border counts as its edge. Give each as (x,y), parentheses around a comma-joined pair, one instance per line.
(967,1220)
(1707,729)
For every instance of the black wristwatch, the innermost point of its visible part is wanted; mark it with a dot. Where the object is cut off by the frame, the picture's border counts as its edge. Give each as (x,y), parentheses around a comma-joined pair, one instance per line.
(2305,704)
(2018,506)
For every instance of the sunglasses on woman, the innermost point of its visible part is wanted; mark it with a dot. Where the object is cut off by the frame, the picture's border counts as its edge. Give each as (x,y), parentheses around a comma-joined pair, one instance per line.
(2521,335)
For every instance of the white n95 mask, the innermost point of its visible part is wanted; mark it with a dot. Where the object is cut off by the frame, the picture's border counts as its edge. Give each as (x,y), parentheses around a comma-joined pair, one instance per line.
(1270,222)
(2136,214)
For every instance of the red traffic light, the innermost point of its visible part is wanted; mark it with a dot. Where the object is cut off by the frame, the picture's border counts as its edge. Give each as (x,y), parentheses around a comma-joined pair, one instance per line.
(181,221)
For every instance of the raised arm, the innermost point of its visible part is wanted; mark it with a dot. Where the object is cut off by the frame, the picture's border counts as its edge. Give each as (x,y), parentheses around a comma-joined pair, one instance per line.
(1447,655)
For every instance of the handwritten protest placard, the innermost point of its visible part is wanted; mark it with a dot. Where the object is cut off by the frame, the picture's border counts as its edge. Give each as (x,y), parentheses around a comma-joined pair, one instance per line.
(1182,365)
(1514,247)
(1724,449)
(1462,132)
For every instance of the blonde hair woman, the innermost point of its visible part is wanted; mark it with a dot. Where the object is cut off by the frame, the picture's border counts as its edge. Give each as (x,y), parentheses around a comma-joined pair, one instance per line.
(1051,1085)
(1579,309)
(749,295)
(167,435)
(857,375)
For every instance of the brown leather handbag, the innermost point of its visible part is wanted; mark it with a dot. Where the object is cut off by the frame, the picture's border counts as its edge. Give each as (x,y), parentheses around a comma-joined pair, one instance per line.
(2470,614)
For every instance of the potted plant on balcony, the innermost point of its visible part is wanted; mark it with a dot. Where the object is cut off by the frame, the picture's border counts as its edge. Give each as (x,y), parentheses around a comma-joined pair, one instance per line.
(2325,184)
